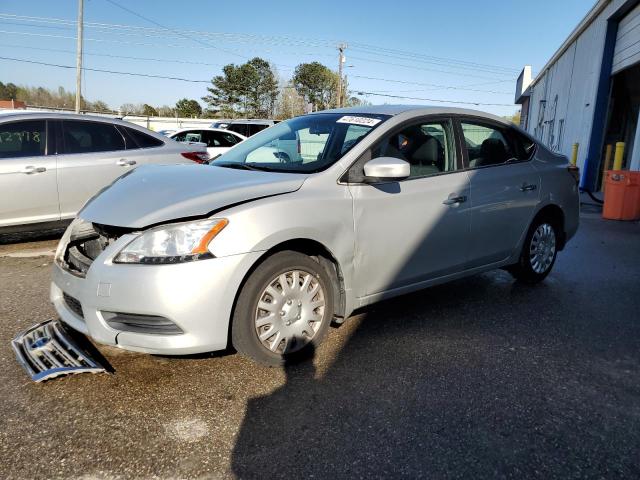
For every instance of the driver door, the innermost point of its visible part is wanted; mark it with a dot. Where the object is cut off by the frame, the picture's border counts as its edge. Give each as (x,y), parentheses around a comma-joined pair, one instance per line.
(416,229)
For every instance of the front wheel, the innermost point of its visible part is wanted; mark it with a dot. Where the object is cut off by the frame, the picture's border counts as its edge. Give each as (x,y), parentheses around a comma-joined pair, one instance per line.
(538,252)
(284,309)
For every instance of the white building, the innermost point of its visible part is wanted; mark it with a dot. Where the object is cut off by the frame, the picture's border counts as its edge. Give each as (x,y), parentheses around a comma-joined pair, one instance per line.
(589,91)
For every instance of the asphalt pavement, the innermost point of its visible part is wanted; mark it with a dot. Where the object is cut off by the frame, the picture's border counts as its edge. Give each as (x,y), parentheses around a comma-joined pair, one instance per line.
(480,378)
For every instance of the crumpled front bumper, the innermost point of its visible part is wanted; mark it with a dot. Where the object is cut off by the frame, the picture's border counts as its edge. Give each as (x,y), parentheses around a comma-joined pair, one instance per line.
(197,297)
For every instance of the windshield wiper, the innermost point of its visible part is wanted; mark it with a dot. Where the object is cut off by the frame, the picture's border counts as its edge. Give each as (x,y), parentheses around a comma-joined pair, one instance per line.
(244,166)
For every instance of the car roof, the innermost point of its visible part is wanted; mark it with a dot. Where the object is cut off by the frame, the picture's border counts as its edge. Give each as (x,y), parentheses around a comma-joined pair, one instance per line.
(417,109)
(61,115)
(210,129)
(29,114)
(247,120)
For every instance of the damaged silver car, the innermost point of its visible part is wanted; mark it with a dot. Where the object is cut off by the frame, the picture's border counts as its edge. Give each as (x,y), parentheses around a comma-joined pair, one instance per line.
(306,222)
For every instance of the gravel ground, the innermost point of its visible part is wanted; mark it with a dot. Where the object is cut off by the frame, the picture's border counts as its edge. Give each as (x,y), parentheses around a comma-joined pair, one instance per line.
(480,378)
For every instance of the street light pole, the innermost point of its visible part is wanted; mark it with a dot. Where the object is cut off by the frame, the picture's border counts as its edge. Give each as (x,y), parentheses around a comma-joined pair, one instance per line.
(79,56)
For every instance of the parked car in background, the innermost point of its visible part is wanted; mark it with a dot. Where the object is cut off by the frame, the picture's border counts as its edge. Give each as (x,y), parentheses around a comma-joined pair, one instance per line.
(166,133)
(217,140)
(245,127)
(52,163)
(265,255)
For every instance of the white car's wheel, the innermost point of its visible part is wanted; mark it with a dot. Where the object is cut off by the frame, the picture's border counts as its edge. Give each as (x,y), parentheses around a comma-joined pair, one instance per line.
(284,309)
(539,251)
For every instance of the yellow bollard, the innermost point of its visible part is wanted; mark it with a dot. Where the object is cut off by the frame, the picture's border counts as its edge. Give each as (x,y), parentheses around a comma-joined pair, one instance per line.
(574,154)
(617,160)
(607,164)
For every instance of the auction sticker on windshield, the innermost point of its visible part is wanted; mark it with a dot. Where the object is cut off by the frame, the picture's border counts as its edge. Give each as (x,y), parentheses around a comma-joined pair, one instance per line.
(364,121)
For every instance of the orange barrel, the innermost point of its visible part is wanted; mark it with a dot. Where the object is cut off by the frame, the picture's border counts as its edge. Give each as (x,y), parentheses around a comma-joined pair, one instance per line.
(621,195)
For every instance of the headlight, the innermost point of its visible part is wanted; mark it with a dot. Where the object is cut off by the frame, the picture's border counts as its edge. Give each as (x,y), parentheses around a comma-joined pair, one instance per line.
(175,243)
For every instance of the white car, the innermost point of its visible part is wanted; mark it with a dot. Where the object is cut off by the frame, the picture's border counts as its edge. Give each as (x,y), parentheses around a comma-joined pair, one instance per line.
(52,163)
(217,140)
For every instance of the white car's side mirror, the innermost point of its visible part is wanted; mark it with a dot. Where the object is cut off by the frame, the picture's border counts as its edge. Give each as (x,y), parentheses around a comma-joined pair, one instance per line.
(386,168)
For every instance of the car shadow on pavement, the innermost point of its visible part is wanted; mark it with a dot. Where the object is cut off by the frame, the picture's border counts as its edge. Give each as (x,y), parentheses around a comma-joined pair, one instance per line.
(473,379)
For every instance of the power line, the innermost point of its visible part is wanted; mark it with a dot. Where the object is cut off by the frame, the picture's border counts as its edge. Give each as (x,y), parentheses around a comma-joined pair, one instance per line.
(431,59)
(127,57)
(120,42)
(207,81)
(280,40)
(359,92)
(23,60)
(112,2)
(463,74)
(438,87)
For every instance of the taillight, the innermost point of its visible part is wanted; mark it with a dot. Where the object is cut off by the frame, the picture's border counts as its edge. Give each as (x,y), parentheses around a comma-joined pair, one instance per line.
(574,172)
(198,157)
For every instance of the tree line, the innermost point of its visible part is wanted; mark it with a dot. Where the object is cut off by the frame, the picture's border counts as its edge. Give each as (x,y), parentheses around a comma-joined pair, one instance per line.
(250,90)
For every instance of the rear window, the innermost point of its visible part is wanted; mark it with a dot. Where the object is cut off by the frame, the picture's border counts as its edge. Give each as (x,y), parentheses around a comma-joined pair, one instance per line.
(82,136)
(142,140)
(23,139)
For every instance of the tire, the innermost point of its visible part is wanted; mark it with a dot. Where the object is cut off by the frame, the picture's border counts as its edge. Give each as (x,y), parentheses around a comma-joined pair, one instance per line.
(291,320)
(539,251)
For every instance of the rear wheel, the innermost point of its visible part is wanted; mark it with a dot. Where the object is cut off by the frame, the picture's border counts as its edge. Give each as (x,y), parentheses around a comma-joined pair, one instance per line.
(538,252)
(284,309)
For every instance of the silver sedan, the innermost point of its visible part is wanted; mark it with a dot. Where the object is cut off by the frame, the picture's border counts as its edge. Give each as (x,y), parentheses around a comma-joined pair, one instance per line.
(305,222)
(52,163)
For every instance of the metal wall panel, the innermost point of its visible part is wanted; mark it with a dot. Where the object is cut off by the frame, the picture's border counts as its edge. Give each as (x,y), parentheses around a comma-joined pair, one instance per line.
(627,52)
(574,79)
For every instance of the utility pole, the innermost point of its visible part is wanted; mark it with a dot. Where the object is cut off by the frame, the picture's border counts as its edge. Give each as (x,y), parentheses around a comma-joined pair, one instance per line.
(341,48)
(79,56)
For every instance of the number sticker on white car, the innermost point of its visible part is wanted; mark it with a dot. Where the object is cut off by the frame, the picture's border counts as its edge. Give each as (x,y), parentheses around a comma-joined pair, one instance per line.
(364,121)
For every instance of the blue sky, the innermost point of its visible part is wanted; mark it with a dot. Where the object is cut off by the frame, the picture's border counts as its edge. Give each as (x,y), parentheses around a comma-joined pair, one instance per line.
(464,51)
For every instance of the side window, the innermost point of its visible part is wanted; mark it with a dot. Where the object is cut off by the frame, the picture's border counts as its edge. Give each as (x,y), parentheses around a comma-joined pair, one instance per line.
(219,139)
(255,128)
(82,136)
(486,145)
(427,146)
(141,140)
(523,146)
(240,128)
(232,139)
(190,136)
(23,139)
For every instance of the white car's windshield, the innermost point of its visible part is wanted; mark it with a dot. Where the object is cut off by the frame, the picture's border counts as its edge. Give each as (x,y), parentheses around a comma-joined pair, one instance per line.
(304,144)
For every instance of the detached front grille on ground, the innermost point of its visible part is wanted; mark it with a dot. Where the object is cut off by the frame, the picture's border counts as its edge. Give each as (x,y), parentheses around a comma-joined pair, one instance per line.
(47,350)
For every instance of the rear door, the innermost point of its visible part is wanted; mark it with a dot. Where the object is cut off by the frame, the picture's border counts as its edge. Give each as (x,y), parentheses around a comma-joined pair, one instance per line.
(28,190)
(505,189)
(93,154)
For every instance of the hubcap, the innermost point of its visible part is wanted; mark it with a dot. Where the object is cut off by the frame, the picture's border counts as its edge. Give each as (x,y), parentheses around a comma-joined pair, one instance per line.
(290,311)
(542,248)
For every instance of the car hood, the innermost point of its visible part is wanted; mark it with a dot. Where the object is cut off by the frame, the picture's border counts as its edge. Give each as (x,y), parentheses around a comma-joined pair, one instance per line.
(155,194)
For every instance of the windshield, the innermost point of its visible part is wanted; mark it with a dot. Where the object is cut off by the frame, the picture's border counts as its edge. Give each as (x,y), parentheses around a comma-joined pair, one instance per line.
(304,144)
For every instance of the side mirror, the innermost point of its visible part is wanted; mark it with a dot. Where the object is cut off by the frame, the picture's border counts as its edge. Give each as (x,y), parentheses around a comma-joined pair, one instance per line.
(386,168)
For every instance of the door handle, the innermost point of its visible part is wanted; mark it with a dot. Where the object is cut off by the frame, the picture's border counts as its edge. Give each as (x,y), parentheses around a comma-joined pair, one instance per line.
(30,169)
(455,200)
(123,162)
(528,187)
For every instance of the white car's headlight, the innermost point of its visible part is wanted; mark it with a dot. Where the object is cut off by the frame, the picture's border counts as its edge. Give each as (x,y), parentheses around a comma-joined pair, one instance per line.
(174,243)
